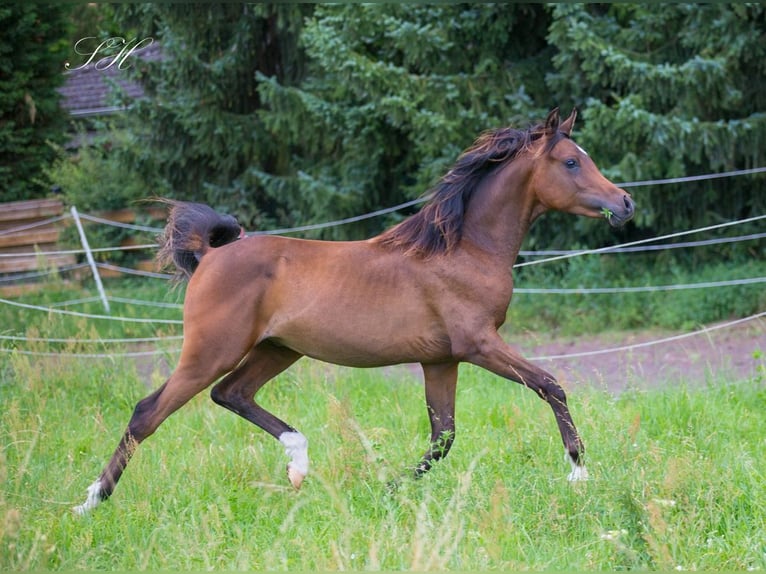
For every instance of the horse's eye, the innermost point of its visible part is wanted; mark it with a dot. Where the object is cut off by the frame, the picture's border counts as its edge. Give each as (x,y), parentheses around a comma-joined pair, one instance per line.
(572,164)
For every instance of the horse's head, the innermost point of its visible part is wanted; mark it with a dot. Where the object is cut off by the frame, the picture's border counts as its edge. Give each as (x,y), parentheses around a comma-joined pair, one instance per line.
(566,179)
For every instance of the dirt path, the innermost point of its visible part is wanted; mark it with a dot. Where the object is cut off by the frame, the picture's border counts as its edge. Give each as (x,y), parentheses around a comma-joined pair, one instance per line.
(733,353)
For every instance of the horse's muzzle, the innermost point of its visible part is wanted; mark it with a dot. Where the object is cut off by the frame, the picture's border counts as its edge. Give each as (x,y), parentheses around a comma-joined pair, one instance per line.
(620,216)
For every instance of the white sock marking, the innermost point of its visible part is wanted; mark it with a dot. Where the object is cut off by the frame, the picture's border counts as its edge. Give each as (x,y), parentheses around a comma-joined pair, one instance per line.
(579,472)
(92,501)
(296,447)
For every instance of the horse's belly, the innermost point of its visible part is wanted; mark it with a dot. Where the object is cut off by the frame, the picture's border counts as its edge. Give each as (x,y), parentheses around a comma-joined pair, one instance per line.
(365,346)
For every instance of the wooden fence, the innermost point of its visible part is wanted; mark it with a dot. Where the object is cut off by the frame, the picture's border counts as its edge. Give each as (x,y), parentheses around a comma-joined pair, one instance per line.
(24,229)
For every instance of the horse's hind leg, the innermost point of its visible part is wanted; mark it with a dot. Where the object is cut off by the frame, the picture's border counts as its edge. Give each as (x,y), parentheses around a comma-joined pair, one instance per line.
(237,390)
(440,384)
(201,363)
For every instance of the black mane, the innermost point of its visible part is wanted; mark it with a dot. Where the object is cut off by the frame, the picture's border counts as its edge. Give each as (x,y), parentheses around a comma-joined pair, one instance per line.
(438,226)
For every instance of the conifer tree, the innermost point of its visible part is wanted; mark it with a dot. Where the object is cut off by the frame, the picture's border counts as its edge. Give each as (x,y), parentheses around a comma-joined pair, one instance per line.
(392,95)
(670,90)
(198,131)
(287,115)
(33,50)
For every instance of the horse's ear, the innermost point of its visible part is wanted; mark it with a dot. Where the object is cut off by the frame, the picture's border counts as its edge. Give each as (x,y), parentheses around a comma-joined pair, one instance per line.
(552,121)
(567,125)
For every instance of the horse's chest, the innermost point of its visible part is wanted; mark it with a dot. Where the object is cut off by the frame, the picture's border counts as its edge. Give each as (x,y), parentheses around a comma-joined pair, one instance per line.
(478,296)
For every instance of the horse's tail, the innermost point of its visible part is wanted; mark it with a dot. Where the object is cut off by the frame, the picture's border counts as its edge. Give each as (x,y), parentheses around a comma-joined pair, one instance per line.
(192,230)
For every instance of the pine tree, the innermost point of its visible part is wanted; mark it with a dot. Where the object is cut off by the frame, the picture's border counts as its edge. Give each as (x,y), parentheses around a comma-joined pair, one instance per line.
(670,90)
(392,95)
(33,50)
(198,131)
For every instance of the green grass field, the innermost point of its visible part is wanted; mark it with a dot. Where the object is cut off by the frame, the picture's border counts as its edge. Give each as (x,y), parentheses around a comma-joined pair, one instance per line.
(678,475)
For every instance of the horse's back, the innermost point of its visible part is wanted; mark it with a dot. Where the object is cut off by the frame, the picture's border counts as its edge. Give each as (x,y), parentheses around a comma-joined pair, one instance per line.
(354,303)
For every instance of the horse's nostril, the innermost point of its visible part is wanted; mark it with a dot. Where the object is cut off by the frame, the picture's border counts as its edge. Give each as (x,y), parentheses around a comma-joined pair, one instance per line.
(628,203)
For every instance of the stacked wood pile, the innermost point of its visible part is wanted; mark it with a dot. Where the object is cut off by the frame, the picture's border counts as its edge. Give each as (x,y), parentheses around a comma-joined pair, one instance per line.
(19,235)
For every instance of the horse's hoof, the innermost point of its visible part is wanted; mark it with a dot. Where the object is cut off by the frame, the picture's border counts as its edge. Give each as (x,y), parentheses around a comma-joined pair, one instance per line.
(579,473)
(296,478)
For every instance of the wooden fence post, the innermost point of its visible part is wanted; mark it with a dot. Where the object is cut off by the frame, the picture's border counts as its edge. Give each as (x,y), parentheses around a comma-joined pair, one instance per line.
(89,256)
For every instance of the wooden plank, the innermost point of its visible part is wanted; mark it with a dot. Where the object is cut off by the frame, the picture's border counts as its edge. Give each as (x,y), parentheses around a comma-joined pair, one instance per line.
(107,273)
(31,250)
(19,264)
(148,265)
(20,214)
(23,244)
(29,238)
(9,227)
(31,209)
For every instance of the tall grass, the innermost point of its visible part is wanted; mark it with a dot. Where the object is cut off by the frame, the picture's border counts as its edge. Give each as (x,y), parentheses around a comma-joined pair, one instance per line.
(677,477)
(677,474)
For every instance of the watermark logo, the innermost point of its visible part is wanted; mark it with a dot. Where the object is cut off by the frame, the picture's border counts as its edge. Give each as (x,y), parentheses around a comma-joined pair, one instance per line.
(114,51)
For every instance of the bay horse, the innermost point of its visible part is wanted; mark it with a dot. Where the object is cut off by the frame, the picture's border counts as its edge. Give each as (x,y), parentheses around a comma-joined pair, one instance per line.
(433,290)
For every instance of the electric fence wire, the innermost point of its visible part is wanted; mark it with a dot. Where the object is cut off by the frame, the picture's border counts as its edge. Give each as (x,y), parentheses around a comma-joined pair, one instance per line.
(661,247)
(640,289)
(618,349)
(522,253)
(338,222)
(131,226)
(131,271)
(90,315)
(640,241)
(662,341)
(518,290)
(124,300)
(25,227)
(316,226)
(106,341)
(556,256)
(38,274)
(630,247)
(627,247)
(525,290)
(411,203)
(78,251)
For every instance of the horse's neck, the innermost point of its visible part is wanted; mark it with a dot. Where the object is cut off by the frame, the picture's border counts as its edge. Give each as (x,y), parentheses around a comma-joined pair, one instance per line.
(501,212)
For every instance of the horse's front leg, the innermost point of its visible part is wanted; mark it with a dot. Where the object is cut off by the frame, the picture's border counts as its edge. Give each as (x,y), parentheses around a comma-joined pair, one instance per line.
(440,384)
(493,354)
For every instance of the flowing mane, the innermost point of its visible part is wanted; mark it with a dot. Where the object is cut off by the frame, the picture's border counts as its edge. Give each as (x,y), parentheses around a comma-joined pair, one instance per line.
(438,226)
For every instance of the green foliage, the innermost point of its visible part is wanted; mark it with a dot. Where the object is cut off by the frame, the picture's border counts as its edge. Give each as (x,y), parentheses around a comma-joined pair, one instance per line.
(33,49)
(392,95)
(198,131)
(96,177)
(676,475)
(294,114)
(685,309)
(658,104)
(96,20)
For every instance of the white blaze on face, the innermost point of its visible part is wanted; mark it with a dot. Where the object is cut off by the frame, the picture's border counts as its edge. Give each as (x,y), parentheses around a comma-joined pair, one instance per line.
(581,150)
